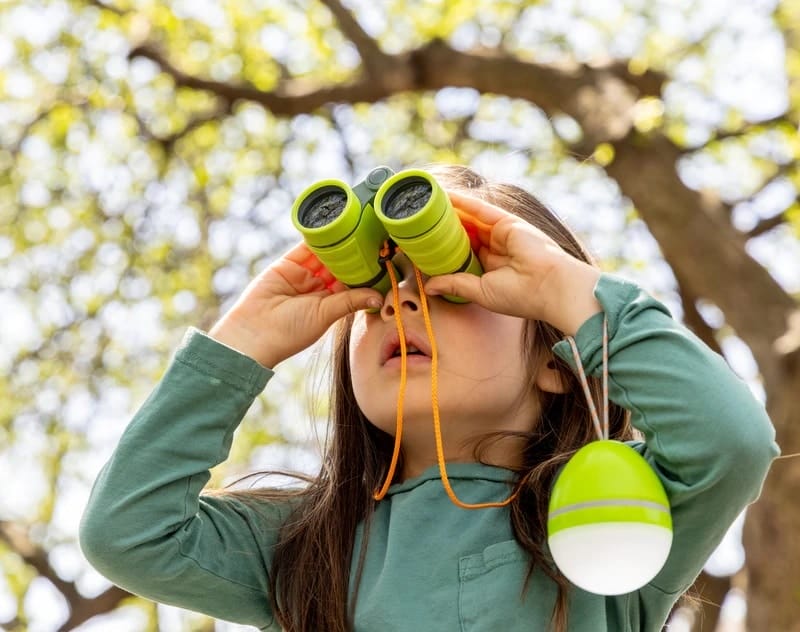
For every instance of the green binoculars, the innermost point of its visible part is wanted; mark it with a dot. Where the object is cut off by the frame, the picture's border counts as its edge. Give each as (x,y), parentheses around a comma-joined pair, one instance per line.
(347,227)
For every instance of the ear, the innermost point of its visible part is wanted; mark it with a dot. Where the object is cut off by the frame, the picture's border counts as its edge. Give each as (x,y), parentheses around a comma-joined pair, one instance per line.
(549,379)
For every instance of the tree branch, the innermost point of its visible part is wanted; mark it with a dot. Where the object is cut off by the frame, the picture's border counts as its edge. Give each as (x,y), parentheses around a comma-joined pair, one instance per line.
(703,248)
(105,602)
(293,97)
(766,225)
(346,151)
(596,97)
(106,7)
(694,320)
(776,220)
(168,142)
(42,115)
(749,128)
(17,538)
(81,608)
(374,59)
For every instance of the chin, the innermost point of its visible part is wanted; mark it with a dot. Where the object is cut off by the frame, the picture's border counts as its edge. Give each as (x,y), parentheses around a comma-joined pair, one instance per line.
(386,419)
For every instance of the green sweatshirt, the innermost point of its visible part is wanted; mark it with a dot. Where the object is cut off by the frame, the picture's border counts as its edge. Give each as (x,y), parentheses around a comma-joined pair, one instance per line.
(429,565)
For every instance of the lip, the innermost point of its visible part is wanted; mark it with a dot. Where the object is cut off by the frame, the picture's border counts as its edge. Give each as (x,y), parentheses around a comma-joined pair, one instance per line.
(391,342)
(411,361)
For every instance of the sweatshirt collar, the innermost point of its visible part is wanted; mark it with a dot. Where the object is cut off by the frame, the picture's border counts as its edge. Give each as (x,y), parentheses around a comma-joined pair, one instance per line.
(456,471)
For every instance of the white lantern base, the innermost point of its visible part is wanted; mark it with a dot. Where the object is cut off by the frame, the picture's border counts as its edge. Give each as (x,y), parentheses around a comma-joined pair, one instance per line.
(611,558)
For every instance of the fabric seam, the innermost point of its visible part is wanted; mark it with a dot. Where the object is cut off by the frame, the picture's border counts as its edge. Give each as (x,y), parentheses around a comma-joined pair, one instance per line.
(207,368)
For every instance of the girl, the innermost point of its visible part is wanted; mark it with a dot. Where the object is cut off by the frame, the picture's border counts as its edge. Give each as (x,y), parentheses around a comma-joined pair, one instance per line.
(330,557)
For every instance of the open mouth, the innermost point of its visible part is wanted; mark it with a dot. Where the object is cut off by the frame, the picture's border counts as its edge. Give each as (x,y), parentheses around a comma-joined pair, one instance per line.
(414,348)
(410,350)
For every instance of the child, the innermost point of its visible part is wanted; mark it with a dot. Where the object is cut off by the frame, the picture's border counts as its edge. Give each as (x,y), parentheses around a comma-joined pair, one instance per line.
(330,557)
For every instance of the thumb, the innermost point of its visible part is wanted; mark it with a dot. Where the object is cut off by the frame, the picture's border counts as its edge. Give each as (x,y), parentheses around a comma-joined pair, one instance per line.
(340,304)
(461,284)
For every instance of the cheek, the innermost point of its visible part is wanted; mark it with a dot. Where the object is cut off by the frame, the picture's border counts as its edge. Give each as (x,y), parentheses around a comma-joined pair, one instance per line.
(499,347)
(358,352)
(370,400)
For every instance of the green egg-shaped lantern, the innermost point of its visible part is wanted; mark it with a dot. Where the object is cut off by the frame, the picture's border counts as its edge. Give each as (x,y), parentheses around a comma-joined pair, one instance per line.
(609,526)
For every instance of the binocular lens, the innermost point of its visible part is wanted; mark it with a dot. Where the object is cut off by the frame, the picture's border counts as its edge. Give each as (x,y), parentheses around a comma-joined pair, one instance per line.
(322,207)
(408,198)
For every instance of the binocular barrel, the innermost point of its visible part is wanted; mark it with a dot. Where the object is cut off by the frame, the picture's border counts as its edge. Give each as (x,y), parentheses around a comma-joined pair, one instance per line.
(418,215)
(339,225)
(346,227)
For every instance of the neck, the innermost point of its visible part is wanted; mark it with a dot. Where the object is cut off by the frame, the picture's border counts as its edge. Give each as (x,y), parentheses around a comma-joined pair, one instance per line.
(501,451)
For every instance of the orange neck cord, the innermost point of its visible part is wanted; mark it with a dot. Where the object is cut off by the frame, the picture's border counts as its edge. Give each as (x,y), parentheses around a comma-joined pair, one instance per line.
(437,430)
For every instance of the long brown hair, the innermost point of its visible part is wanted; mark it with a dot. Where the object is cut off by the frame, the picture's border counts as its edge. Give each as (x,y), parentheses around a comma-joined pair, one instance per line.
(310,573)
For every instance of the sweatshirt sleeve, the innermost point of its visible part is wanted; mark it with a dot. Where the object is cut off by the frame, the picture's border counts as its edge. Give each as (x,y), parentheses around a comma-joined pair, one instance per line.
(146,526)
(706,436)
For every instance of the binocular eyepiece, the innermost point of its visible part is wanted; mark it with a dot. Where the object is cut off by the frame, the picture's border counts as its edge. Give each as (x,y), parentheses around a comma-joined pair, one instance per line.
(347,227)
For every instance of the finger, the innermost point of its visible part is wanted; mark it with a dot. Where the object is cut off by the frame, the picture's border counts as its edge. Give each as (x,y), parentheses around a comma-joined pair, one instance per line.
(492,260)
(298,253)
(335,285)
(475,241)
(478,218)
(461,284)
(340,304)
(325,275)
(479,234)
(300,279)
(482,213)
(302,255)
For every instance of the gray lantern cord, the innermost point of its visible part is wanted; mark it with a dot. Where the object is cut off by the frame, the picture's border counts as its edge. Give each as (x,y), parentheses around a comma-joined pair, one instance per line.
(602,431)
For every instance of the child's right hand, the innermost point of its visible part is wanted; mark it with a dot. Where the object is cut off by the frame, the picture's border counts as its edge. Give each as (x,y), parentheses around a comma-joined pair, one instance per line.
(288,307)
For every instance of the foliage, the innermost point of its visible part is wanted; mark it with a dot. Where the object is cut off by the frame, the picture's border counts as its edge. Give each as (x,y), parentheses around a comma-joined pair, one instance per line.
(150,152)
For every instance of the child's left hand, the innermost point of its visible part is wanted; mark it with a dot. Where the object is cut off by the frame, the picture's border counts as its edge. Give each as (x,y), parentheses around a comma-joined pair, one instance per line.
(526,273)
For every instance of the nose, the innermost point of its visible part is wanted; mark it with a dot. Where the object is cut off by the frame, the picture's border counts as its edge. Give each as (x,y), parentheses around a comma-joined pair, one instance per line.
(407,302)
(408,294)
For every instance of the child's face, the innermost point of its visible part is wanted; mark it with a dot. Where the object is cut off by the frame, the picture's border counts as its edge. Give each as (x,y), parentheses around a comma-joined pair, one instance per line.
(483,379)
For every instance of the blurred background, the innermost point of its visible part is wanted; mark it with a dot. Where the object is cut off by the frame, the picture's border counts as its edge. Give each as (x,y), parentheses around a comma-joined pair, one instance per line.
(150,153)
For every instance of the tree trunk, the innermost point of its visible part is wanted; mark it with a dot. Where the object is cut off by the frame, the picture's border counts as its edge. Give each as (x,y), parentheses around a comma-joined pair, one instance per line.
(707,255)
(772,528)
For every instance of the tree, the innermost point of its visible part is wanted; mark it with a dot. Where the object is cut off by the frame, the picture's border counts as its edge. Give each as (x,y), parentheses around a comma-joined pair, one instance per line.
(152,152)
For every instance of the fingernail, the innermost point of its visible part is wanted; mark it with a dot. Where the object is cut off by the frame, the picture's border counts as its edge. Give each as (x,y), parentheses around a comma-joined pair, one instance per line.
(374,303)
